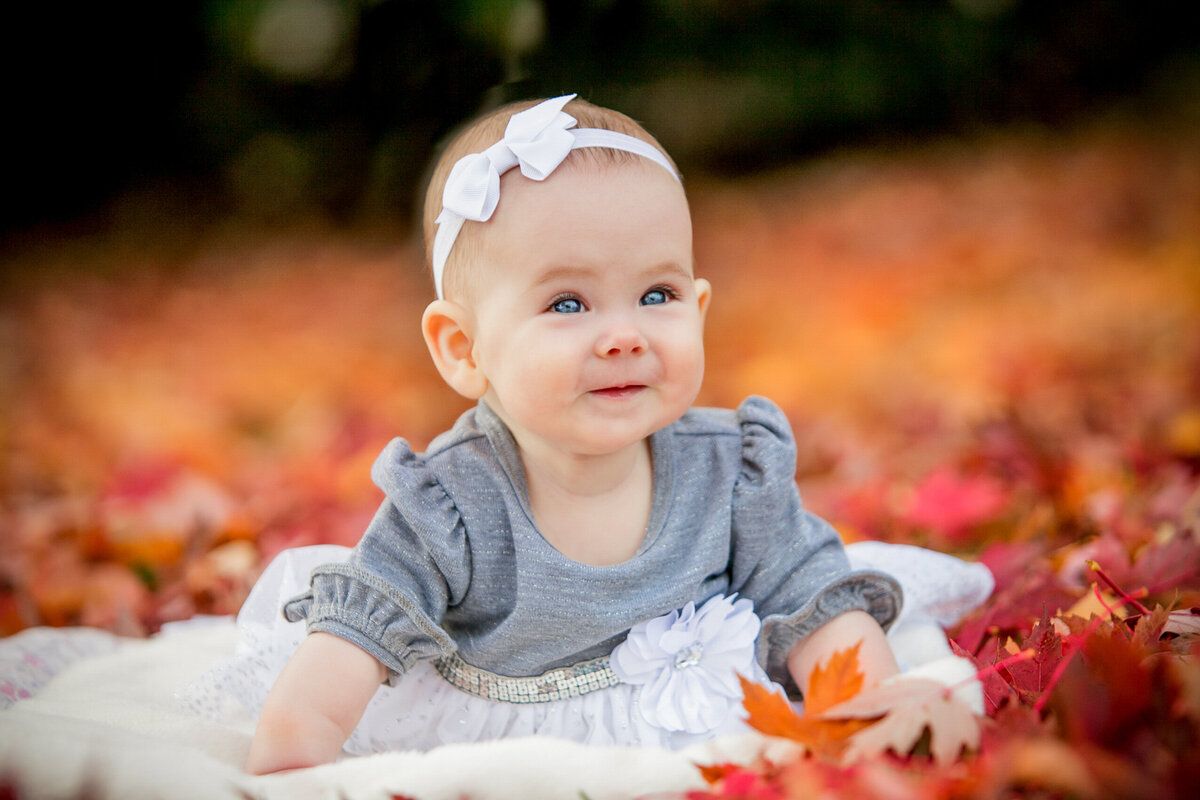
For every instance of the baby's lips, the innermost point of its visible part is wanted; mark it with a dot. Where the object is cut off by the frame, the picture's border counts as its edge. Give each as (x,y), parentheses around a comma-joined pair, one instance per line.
(619,390)
(617,385)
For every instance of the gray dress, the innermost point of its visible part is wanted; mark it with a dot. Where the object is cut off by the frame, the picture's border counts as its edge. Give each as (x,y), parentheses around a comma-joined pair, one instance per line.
(453,562)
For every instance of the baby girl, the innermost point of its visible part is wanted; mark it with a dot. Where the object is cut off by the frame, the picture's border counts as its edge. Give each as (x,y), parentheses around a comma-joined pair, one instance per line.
(584,554)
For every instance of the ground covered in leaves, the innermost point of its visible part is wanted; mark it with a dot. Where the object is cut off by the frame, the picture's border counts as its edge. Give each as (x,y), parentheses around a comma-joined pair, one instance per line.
(988,347)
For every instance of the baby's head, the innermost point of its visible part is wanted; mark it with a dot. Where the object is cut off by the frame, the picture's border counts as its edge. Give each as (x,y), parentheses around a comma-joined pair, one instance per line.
(453,276)
(567,297)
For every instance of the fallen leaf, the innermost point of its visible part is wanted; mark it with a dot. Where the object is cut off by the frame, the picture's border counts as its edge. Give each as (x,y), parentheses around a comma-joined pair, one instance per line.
(949,504)
(273,372)
(1010,611)
(1184,622)
(1010,561)
(1106,692)
(770,714)
(1031,678)
(742,783)
(1043,762)
(1098,603)
(1167,564)
(909,706)
(995,689)
(831,683)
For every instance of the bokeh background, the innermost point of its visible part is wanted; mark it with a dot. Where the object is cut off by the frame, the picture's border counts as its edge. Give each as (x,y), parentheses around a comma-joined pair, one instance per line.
(269,108)
(957,240)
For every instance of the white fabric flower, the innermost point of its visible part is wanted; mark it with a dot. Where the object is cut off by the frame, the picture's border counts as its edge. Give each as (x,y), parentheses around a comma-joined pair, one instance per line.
(687,663)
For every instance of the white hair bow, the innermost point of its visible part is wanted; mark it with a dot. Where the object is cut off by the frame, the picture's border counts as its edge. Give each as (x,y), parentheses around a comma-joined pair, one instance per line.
(537,140)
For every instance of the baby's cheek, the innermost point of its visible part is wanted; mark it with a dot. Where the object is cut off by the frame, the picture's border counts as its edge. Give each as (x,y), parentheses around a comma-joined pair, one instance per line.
(686,363)
(540,394)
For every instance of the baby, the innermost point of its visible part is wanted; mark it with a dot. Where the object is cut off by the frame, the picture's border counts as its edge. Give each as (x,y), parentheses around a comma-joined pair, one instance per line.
(584,554)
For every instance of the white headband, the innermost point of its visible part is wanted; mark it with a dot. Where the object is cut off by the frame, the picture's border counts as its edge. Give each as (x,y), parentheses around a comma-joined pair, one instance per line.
(536,139)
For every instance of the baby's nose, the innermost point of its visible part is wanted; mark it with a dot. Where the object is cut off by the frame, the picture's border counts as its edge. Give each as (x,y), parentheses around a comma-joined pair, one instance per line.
(621,339)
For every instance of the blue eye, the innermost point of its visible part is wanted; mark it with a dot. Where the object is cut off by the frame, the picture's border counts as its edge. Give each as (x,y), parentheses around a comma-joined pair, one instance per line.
(567,305)
(655,297)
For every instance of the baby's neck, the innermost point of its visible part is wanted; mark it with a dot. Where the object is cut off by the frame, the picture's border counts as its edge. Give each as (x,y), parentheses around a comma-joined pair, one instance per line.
(584,475)
(593,509)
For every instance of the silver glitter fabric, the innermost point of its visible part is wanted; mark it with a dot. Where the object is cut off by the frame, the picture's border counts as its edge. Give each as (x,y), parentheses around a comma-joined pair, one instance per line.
(453,562)
(556,684)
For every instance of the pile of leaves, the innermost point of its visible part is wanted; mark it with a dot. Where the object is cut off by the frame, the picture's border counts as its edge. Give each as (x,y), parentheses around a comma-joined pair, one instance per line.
(990,348)
(1103,707)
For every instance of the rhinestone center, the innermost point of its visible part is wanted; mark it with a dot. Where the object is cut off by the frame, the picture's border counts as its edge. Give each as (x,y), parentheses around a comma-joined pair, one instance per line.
(689,656)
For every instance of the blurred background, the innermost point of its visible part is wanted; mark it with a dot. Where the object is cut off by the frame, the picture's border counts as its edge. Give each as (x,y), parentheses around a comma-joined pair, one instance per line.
(958,241)
(271,108)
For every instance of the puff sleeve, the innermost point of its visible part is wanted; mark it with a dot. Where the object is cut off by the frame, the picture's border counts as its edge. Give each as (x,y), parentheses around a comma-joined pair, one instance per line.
(788,561)
(411,564)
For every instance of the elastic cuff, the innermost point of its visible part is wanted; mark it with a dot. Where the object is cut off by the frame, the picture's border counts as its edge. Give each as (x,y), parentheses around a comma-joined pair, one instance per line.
(876,593)
(396,666)
(357,606)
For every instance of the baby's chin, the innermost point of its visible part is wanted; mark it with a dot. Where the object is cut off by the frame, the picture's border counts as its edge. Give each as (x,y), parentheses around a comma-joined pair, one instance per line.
(615,437)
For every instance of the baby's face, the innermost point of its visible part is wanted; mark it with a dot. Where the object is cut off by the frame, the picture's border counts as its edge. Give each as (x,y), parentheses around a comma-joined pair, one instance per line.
(588,319)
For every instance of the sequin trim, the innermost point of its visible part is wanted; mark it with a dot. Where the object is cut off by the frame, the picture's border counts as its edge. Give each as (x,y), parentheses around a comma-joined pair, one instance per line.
(556,684)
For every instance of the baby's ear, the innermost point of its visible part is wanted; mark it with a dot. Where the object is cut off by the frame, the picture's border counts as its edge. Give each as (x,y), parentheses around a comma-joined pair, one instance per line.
(703,296)
(448,337)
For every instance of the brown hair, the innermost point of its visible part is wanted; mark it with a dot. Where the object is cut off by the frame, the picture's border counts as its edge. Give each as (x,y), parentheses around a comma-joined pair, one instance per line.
(485,131)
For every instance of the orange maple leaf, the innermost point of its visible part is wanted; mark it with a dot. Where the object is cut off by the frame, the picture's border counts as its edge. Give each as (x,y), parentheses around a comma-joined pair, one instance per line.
(770,713)
(837,680)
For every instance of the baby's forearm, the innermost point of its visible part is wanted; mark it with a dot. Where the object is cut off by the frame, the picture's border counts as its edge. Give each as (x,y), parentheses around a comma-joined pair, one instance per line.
(875,657)
(314,705)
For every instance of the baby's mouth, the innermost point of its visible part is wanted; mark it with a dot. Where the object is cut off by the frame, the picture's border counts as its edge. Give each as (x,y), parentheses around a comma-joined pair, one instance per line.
(619,392)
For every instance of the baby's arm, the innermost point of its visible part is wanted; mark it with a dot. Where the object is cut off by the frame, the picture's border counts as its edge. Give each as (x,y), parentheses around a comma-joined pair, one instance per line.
(314,705)
(875,656)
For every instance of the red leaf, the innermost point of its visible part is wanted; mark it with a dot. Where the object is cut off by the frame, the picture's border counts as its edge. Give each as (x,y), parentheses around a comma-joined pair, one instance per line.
(1010,612)
(1010,561)
(1031,678)
(996,690)
(740,783)
(1104,696)
(950,504)
(1168,565)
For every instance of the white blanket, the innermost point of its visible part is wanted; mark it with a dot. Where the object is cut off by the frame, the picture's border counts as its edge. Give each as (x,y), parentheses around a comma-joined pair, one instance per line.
(100,714)
(83,709)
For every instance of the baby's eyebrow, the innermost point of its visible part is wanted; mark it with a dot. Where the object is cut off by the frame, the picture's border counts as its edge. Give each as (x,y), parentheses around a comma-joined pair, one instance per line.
(668,269)
(569,272)
(563,273)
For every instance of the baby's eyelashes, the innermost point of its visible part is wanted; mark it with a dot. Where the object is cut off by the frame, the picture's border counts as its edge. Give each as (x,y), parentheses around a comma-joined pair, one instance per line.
(659,295)
(566,304)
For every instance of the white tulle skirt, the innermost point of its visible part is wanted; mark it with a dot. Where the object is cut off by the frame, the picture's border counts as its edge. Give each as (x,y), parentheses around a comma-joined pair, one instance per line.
(423,711)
